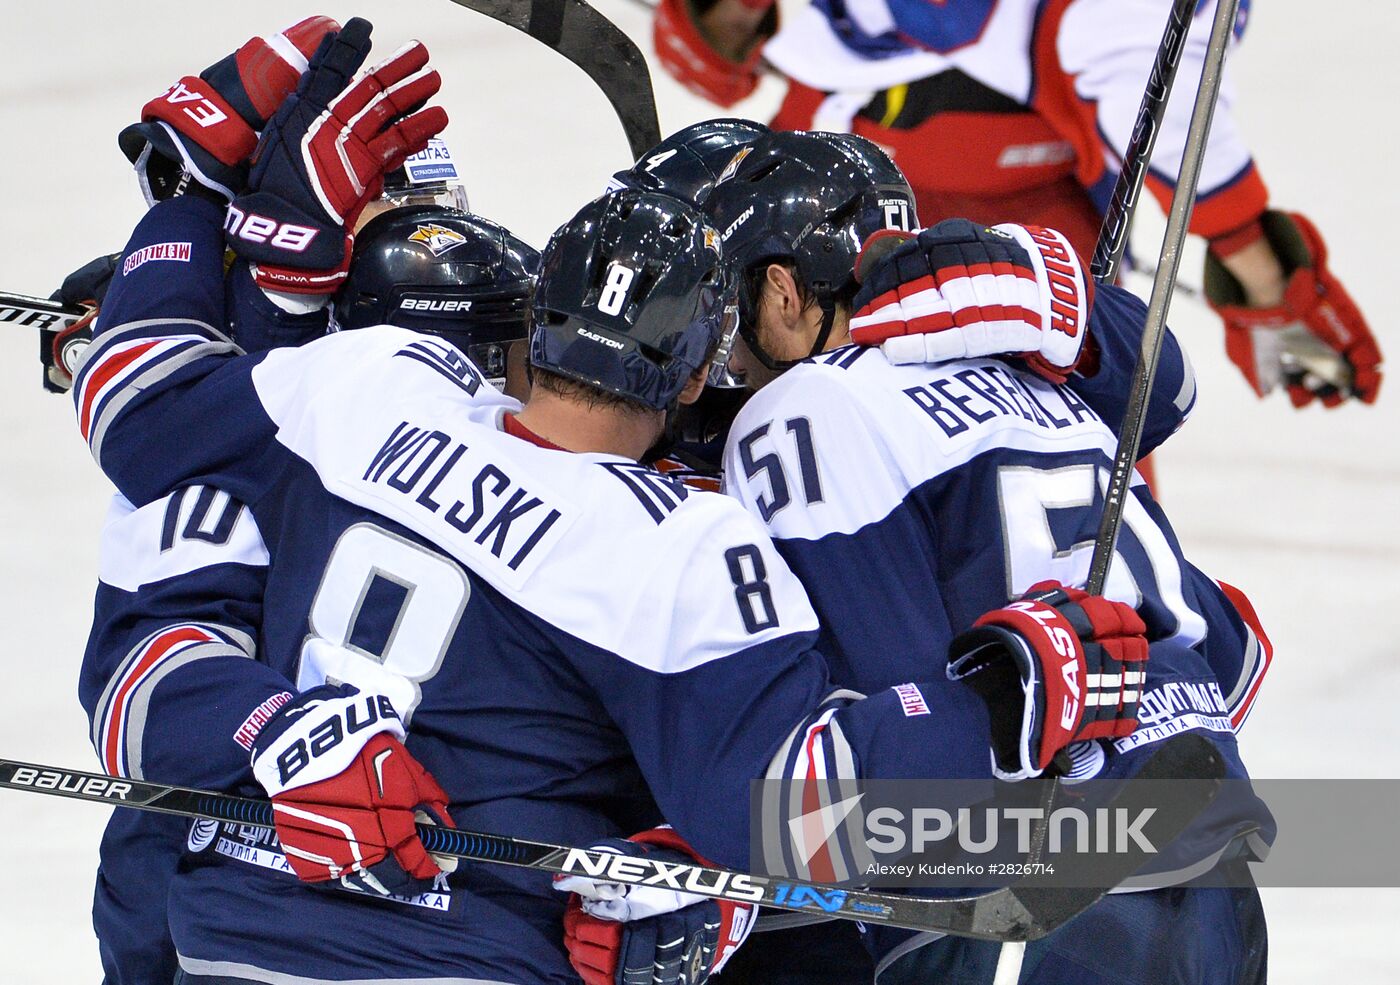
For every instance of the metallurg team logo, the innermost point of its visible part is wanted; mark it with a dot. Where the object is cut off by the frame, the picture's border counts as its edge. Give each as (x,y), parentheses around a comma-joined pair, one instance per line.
(438,239)
(733,165)
(712,239)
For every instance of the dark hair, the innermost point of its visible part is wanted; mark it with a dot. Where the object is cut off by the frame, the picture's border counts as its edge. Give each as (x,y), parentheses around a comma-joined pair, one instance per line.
(579,392)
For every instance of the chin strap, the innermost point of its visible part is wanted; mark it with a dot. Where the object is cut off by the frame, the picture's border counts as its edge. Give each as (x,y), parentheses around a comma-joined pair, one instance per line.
(749,333)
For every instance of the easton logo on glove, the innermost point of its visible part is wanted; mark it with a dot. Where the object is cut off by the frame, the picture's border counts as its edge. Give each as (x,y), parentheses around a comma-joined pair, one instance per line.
(1061,639)
(1056,667)
(207,125)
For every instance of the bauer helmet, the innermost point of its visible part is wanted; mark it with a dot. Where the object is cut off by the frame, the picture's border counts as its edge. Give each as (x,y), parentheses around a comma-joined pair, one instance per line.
(446,273)
(687,164)
(631,297)
(810,199)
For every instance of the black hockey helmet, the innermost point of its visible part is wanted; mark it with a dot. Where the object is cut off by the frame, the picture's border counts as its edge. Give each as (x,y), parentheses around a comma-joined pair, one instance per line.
(437,270)
(687,164)
(631,297)
(810,199)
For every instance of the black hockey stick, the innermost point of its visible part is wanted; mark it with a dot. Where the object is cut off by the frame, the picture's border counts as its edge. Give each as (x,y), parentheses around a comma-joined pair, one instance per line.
(596,45)
(39,313)
(1020,912)
(1108,253)
(1178,218)
(1118,220)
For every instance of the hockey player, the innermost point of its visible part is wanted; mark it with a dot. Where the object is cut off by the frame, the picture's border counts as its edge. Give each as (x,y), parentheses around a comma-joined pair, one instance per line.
(166,604)
(943,486)
(686,165)
(436,546)
(1020,110)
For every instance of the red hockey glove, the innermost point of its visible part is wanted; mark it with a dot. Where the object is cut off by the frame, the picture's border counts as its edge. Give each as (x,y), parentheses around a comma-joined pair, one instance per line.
(323,158)
(1059,666)
(647,935)
(207,125)
(693,62)
(1299,342)
(958,290)
(346,794)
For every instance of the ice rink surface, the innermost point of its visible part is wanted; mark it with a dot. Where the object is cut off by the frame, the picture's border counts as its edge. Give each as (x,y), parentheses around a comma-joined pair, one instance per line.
(1302,510)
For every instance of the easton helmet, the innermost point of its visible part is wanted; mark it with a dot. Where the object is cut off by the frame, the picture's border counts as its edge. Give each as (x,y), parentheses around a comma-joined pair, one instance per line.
(687,164)
(631,297)
(810,199)
(444,272)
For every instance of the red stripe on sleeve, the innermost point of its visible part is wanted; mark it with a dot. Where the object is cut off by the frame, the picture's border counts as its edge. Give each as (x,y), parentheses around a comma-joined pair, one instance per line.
(157,649)
(102,375)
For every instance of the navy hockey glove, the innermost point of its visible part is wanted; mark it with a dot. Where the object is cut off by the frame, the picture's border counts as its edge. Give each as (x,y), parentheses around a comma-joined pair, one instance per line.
(323,158)
(1056,667)
(958,290)
(59,349)
(206,126)
(648,935)
(346,794)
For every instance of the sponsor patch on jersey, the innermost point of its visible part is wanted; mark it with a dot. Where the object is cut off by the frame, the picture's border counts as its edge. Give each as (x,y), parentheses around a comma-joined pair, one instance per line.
(1175,707)
(178,252)
(438,239)
(911,700)
(202,833)
(257,846)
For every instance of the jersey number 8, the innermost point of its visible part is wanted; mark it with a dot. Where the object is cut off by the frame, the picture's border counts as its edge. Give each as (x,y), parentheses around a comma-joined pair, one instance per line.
(389,602)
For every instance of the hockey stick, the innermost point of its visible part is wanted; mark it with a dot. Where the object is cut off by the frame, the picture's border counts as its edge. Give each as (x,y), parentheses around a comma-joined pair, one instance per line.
(596,45)
(1020,912)
(1178,218)
(1118,220)
(1108,254)
(39,313)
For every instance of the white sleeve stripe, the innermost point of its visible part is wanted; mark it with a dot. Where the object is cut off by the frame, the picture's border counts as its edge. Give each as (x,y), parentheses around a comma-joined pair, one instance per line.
(1241,700)
(116,371)
(88,373)
(810,805)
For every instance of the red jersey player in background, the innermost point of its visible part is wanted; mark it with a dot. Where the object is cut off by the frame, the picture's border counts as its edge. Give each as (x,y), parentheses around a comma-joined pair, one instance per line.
(1019,109)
